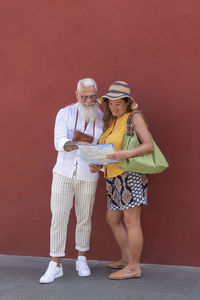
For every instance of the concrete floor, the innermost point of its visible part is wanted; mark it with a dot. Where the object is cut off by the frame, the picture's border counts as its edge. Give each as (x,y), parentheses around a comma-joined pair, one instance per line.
(19,280)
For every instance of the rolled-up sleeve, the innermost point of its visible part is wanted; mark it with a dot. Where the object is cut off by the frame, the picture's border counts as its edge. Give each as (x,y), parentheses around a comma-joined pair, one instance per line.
(60,131)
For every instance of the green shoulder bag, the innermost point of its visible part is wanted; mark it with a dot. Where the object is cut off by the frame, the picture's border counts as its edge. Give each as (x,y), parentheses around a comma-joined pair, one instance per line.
(151,163)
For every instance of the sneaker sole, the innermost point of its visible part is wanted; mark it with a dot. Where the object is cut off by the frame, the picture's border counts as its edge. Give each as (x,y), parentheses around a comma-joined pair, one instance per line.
(57,276)
(82,275)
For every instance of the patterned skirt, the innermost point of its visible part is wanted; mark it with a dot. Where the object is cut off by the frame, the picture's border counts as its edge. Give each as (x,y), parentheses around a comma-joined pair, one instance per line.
(126,191)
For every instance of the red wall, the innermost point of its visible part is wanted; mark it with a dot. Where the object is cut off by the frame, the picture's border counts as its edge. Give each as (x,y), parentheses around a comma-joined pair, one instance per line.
(46,47)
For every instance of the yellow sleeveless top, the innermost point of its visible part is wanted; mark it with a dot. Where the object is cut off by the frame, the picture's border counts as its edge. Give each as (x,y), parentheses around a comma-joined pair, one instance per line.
(115,134)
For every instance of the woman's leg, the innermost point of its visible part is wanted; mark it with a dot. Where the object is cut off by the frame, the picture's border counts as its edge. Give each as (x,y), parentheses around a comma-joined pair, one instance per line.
(114,219)
(132,220)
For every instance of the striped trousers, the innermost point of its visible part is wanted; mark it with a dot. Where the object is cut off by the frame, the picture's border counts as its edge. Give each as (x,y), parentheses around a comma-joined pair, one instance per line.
(63,191)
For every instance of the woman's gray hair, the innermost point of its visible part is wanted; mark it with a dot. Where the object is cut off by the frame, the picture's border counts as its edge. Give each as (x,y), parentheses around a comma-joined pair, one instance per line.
(86,82)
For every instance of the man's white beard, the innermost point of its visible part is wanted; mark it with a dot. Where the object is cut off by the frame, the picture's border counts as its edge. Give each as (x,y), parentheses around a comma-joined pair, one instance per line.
(88,114)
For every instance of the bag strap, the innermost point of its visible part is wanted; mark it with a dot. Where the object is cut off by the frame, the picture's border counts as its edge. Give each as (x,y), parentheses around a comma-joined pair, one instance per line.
(76,119)
(93,128)
(129,124)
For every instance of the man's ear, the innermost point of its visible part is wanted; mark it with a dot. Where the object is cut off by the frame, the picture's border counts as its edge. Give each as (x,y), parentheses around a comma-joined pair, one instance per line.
(76,94)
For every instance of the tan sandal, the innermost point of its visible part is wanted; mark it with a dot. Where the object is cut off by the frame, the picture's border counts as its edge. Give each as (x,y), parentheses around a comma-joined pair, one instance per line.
(119,275)
(116,265)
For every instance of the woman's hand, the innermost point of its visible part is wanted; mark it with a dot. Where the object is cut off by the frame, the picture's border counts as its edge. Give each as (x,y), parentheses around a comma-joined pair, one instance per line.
(95,168)
(120,155)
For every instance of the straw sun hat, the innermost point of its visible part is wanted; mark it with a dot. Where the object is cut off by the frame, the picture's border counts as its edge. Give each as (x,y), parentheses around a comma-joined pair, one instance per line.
(118,90)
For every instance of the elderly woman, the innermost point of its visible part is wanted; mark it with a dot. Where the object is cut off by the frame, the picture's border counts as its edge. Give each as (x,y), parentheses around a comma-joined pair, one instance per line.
(126,191)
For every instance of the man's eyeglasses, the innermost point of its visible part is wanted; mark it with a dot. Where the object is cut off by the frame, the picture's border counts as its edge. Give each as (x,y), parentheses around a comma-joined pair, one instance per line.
(92,97)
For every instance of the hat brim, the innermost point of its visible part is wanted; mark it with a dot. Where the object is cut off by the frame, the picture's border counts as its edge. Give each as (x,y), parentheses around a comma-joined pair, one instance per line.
(117,97)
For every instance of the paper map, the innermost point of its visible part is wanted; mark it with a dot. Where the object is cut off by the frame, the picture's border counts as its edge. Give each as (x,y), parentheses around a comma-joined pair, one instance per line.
(96,154)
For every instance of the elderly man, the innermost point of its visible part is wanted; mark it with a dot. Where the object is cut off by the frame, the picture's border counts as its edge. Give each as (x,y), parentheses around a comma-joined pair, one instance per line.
(77,123)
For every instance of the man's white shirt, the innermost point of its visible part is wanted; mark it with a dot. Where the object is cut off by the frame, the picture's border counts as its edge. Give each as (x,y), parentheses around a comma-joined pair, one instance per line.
(70,163)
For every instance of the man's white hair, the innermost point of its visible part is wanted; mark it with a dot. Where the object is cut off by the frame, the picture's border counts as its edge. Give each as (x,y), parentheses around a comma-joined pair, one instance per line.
(86,82)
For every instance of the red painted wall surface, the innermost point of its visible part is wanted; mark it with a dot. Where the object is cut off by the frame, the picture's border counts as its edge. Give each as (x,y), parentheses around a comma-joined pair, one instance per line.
(45,48)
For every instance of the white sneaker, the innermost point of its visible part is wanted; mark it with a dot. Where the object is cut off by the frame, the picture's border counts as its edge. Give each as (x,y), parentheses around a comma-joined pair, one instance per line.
(52,272)
(82,267)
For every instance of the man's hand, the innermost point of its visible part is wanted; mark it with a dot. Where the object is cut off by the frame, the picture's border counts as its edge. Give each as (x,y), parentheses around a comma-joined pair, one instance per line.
(95,168)
(70,146)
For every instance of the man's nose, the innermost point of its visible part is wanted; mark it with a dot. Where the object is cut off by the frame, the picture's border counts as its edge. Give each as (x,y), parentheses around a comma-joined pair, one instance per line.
(89,100)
